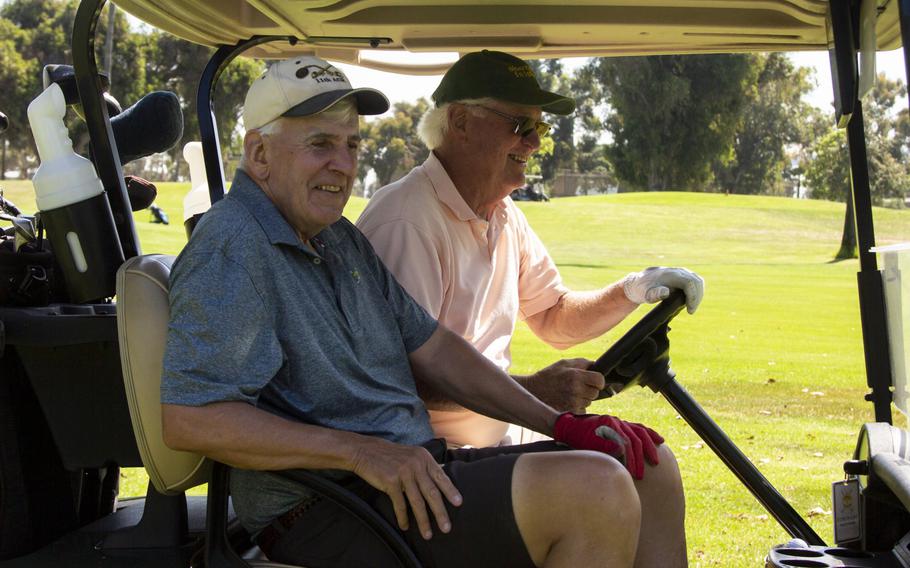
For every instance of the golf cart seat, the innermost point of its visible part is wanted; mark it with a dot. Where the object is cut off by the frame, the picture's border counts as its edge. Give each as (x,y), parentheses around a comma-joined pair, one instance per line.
(142,321)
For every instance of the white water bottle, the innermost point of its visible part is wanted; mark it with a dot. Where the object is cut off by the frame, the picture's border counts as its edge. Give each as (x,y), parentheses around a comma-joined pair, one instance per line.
(197,200)
(64,177)
(73,205)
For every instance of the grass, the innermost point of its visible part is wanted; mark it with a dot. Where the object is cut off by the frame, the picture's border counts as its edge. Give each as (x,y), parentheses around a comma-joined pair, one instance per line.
(774,354)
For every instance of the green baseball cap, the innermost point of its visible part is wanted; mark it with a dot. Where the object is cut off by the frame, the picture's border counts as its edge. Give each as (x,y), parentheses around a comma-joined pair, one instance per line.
(500,76)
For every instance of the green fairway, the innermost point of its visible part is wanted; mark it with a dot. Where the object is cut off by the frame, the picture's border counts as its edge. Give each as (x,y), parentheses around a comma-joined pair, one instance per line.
(774,354)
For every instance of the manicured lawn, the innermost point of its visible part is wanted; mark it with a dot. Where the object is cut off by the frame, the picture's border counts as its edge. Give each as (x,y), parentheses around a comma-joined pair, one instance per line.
(774,354)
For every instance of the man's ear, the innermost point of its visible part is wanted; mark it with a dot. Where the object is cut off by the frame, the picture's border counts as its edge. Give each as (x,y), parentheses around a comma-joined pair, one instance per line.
(256,162)
(457,116)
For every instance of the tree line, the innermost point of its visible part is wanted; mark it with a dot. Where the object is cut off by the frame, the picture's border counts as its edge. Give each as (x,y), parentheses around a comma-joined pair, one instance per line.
(34,33)
(733,123)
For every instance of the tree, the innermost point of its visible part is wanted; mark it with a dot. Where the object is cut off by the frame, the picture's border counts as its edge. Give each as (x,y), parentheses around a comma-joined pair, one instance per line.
(889,175)
(670,116)
(559,152)
(535,161)
(828,174)
(175,65)
(591,155)
(771,120)
(390,145)
(14,83)
(35,32)
(827,171)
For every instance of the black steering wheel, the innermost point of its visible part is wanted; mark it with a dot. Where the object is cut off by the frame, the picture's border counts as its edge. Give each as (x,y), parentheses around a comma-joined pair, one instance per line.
(641,356)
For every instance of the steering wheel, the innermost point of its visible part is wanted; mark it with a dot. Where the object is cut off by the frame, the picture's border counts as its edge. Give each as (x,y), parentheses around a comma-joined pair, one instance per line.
(641,356)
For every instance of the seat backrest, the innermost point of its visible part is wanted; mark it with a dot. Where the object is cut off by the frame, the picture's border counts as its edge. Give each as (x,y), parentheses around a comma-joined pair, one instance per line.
(142,320)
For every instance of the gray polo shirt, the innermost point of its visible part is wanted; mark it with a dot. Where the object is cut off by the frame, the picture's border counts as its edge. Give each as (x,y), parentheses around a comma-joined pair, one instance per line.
(318,337)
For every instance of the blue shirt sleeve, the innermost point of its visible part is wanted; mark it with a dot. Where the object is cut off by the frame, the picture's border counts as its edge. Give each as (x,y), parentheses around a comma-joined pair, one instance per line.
(221,344)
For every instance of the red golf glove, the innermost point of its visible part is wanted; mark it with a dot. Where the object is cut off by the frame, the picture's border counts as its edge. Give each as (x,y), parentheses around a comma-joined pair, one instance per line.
(610,435)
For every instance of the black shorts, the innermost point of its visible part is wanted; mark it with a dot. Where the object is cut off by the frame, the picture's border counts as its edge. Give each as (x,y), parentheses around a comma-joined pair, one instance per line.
(484,531)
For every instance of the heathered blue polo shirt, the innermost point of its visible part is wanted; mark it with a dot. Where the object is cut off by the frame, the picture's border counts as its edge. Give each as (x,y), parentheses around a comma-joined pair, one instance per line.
(318,337)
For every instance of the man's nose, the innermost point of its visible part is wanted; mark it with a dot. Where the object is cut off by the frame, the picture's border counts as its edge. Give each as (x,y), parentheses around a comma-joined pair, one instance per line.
(345,161)
(532,139)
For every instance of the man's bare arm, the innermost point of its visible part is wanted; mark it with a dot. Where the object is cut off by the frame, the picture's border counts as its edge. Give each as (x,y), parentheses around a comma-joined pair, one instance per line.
(241,435)
(435,399)
(581,316)
(450,365)
(244,436)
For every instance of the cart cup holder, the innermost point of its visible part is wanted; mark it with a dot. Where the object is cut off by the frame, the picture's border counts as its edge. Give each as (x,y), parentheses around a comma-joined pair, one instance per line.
(827,557)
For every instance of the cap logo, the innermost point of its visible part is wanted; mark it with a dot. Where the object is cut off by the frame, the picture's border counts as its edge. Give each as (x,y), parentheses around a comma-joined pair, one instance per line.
(521,70)
(327,74)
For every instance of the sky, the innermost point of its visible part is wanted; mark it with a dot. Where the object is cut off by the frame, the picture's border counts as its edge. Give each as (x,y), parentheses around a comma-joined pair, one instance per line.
(409,88)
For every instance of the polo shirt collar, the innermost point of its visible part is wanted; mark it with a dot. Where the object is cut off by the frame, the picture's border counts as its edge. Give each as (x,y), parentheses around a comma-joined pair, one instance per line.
(273,223)
(445,189)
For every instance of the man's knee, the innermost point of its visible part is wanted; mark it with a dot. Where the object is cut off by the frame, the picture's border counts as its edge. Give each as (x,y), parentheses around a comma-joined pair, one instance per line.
(666,474)
(563,498)
(574,483)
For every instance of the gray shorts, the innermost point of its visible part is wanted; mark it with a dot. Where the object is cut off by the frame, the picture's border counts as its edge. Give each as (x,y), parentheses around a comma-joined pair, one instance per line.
(484,531)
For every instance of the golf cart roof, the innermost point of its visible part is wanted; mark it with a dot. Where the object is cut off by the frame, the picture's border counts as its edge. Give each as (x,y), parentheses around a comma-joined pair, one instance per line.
(342,30)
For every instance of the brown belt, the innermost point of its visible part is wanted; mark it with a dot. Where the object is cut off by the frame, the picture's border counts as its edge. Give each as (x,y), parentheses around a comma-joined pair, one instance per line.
(282,524)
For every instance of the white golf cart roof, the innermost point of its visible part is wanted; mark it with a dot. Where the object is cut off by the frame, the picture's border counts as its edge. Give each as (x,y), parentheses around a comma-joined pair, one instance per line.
(341,30)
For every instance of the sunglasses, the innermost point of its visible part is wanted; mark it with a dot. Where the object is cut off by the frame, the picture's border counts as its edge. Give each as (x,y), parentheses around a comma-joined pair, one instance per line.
(524,125)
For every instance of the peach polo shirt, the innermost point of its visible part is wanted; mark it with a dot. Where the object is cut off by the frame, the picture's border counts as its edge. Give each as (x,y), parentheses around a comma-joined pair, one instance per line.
(474,275)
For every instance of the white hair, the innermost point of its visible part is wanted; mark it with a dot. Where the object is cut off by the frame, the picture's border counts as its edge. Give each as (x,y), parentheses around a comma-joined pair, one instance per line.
(434,124)
(343,111)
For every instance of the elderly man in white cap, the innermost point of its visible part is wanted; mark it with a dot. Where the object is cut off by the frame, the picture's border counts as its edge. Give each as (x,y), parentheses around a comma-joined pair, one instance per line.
(291,346)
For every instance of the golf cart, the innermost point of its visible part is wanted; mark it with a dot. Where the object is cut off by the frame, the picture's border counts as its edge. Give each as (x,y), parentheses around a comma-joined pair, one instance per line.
(75,402)
(533,191)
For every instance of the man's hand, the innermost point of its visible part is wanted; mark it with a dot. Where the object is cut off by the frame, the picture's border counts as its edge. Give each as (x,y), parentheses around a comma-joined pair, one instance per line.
(634,442)
(653,285)
(566,385)
(409,476)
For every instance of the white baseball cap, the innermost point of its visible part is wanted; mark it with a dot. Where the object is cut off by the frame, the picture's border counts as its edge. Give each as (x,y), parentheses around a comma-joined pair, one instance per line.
(301,86)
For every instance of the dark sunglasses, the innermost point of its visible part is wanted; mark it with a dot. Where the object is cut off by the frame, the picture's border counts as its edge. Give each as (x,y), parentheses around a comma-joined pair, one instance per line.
(524,125)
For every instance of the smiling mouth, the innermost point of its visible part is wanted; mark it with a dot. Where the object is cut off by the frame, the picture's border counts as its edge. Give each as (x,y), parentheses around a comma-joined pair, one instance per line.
(517,158)
(329,188)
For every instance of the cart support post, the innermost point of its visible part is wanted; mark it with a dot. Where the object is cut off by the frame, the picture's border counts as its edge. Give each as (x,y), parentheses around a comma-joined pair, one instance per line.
(104,147)
(844,27)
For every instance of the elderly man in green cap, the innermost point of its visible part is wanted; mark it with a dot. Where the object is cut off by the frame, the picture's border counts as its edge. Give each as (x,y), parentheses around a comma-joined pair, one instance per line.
(458,244)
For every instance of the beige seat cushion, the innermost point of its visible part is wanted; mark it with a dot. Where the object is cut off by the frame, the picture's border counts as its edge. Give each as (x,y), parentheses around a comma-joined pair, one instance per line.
(142,320)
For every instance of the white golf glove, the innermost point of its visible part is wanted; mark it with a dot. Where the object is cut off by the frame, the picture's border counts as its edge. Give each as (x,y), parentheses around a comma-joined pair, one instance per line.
(653,285)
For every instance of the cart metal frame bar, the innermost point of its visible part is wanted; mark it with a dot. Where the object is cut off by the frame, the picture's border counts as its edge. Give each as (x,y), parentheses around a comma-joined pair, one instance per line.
(844,26)
(104,147)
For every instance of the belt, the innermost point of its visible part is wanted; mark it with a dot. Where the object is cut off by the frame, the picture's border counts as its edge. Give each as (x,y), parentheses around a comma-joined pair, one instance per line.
(272,533)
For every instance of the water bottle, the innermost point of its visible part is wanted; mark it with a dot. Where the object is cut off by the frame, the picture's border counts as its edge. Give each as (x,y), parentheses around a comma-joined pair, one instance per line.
(73,205)
(197,200)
